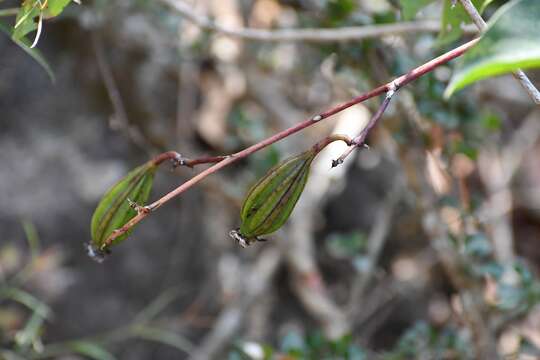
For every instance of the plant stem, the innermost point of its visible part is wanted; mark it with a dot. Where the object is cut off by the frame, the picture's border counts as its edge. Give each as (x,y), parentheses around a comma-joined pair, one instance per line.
(361,138)
(519,75)
(397,83)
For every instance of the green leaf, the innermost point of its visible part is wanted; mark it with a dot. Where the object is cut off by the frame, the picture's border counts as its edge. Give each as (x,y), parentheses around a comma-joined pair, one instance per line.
(348,245)
(26,299)
(510,43)
(24,23)
(55,7)
(90,349)
(164,337)
(10,355)
(30,333)
(455,16)
(24,44)
(114,209)
(411,7)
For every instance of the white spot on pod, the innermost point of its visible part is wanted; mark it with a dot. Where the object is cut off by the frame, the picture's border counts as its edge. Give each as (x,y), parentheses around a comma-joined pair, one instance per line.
(317,118)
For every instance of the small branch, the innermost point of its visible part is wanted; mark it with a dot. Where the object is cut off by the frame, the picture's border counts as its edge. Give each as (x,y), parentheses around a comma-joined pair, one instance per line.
(173,156)
(330,139)
(230,319)
(361,138)
(519,75)
(376,241)
(121,121)
(397,83)
(310,34)
(179,160)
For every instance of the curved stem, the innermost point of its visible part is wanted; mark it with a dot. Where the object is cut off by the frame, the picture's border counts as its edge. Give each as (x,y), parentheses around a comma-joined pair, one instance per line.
(173,156)
(330,139)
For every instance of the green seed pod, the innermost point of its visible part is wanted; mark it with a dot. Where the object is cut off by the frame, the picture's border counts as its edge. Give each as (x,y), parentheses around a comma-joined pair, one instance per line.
(271,200)
(118,206)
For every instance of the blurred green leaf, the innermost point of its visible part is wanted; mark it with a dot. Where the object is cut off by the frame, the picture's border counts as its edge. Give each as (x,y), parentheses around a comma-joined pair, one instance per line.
(528,348)
(511,42)
(478,245)
(29,335)
(27,300)
(25,23)
(339,10)
(157,305)
(291,342)
(345,245)
(10,355)
(361,263)
(524,273)
(458,146)
(509,296)
(32,238)
(163,336)
(24,44)
(453,17)
(90,349)
(261,161)
(422,338)
(55,7)
(492,122)
(491,268)
(411,7)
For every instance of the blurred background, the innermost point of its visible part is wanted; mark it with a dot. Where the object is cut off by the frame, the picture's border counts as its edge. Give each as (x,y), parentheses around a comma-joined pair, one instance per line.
(424,246)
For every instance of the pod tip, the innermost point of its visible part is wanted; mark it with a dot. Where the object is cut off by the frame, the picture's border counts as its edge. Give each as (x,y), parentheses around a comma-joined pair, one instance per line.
(95,253)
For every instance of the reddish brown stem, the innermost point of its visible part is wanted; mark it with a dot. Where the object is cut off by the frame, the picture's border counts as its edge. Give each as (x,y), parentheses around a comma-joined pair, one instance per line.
(173,156)
(399,82)
(330,139)
(361,138)
(204,160)
(179,160)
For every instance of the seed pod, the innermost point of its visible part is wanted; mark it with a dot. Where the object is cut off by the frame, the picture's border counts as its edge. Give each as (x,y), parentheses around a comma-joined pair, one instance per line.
(271,200)
(116,207)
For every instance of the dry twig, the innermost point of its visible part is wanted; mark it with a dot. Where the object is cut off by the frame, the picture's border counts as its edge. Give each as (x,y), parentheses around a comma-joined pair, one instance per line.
(307,35)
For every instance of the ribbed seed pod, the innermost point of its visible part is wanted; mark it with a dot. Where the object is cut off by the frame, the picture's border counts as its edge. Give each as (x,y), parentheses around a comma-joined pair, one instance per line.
(271,200)
(116,207)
